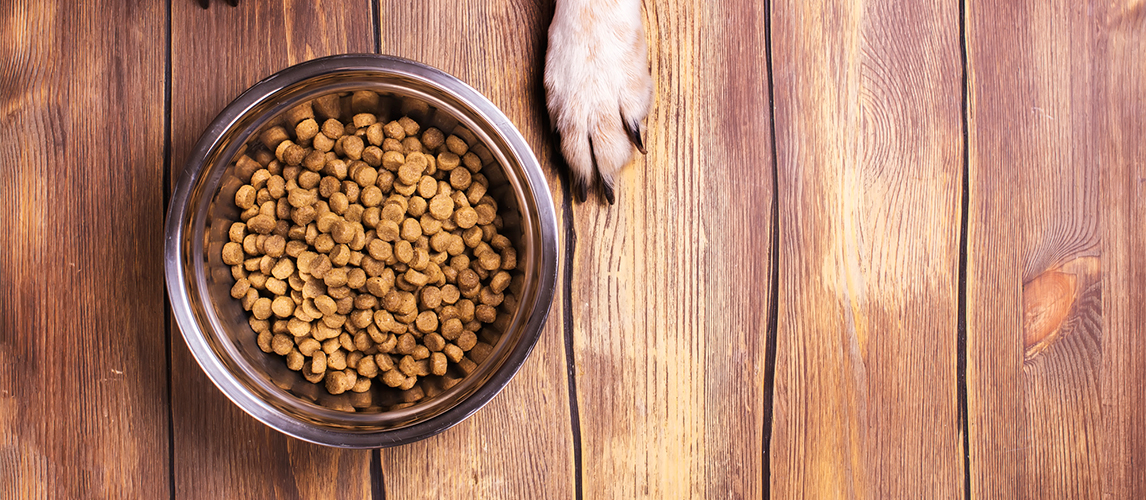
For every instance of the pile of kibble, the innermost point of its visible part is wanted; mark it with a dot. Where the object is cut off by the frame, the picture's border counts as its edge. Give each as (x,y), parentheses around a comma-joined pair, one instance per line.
(369,251)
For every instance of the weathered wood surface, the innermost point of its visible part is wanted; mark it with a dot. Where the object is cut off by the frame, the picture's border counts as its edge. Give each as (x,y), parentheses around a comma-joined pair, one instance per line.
(869,147)
(520,445)
(672,285)
(753,318)
(1055,352)
(83,371)
(219,451)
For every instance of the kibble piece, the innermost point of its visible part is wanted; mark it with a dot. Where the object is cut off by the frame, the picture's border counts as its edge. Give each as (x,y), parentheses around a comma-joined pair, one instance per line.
(456,145)
(441,206)
(432,138)
(393,377)
(438,363)
(427,321)
(452,329)
(393,160)
(282,306)
(460,178)
(394,130)
(410,172)
(245,197)
(411,230)
(337,382)
(453,352)
(282,344)
(232,254)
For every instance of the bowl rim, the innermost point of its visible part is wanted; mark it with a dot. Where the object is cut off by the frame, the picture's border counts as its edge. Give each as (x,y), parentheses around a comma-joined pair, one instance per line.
(176,235)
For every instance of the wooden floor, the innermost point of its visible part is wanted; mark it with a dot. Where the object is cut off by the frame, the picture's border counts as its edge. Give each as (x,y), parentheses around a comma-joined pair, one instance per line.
(881,249)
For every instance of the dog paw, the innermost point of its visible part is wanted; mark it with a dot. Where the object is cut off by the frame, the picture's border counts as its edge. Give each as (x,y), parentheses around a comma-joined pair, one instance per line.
(597,87)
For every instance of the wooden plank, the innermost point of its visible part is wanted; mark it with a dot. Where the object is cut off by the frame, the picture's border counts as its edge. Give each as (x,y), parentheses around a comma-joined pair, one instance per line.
(1055,261)
(521,444)
(83,390)
(672,285)
(870,156)
(220,452)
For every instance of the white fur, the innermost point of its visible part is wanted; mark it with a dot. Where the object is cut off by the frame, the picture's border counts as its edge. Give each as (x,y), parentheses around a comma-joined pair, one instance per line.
(596,79)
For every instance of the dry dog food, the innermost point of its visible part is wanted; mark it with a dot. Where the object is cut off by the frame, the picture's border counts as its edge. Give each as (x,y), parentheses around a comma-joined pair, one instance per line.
(367,252)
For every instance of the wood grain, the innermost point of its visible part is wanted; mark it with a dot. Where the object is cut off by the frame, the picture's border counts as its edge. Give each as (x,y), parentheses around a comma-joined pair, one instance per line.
(672,285)
(1056,96)
(220,452)
(521,444)
(83,391)
(869,154)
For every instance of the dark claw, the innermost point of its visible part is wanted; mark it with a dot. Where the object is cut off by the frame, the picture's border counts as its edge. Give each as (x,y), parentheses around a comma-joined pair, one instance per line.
(234,3)
(592,156)
(580,190)
(204,3)
(608,192)
(634,132)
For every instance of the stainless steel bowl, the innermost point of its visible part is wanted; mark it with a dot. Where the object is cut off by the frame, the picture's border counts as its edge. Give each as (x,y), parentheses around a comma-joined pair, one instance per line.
(215,326)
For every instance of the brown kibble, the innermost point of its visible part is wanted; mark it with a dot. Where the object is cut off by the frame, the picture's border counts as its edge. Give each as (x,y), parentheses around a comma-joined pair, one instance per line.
(274,136)
(480,352)
(374,134)
(337,382)
(333,129)
(405,345)
(394,130)
(365,176)
(466,341)
(264,341)
(282,344)
(451,329)
(388,230)
(325,305)
(336,359)
(411,230)
(448,161)
(411,170)
(261,308)
(456,145)
(393,377)
(391,144)
(441,206)
(427,187)
(499,282)
(367,368)
(489,260)
(408,365)
(295,360)
(393,161)
(509,259)
(405,189)
(450,294)
(261,224)
(409,126)
(404,251)
(485,214)
(438,363)
(472,163)
(485,313)
(413,395)
(460,178)
(245,197)
(427,321)
(233,254)
(432,138)
(282,306)
(453,352)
